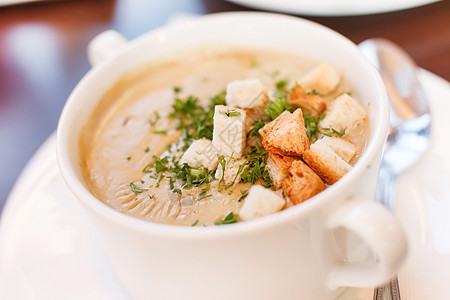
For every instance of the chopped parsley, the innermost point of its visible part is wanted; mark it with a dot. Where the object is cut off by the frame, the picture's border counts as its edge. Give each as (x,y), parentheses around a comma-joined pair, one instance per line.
(231,113)
(257,125)
(275,108)
(313,130)
(256,160)
(222,163)
(230,218)
(312,125)
(331,131)
(160,131)
(147,149)
(203,195)
(137,190)
(314,92)
(194,120)
(195,223)
(176,89)
(282,84)
(155,118)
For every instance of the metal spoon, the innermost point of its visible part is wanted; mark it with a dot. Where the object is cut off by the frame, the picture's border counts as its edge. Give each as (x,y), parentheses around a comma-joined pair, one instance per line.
(410,121)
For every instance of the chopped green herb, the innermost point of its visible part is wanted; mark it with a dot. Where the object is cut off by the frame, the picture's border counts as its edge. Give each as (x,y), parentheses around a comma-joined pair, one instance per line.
(257,125)
(147,149)
(194,120)
(256,160)
(222,163)
(160,131)
(177,89)
(178,191)
(231,113)
(312,125)
(128,157)
(282,84)
(331,131)
(218,99)
(159,180)
(230,192)
(203,195)
(241,168)
(135,189)
(243,192)
(314,92)
(275,108)
(195,223)
(154,119)
(152,196)
(230,218)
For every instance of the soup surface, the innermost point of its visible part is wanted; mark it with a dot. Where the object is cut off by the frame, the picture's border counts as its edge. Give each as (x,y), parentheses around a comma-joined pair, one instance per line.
(134,127)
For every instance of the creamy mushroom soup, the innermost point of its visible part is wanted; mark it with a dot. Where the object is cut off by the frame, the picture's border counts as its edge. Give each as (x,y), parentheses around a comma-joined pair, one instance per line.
(151,149)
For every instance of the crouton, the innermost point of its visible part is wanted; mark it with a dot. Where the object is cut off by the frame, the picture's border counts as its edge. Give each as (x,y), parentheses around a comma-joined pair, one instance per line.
(232,170)
(323,78)
(302,183)
(271,125)
(201,153)
(246,94)
(344,114)
(278,168)
(229,133)
(309,102)
(287,136)
(341,146)
(326,161)
(260,202)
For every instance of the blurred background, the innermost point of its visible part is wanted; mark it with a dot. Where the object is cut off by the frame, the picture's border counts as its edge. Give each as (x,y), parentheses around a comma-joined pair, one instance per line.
(43,53)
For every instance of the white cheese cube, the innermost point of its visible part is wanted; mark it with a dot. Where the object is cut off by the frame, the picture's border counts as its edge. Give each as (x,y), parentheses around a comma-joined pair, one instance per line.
(229,130)
(201,153)
(345,113)
(260,202)
(323,78)
(233,170)
(248,93)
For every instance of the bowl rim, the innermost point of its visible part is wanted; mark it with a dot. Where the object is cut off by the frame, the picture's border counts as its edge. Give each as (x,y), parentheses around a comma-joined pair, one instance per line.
(104,211)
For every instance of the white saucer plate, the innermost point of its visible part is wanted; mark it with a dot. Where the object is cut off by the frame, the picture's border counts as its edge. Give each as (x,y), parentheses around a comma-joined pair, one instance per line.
(332,7)
(49,249)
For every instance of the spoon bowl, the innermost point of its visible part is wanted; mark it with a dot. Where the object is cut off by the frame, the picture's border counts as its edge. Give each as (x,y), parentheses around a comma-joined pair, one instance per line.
(410,119)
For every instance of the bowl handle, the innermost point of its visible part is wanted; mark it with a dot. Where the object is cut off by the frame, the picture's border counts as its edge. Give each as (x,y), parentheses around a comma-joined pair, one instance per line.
(105,45)
(378,228)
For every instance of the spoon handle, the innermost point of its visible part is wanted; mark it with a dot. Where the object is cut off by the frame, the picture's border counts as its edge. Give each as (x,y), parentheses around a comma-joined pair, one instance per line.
(389,291)
(385,193)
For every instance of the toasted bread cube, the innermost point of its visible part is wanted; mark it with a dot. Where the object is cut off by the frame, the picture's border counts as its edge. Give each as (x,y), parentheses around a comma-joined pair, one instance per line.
(248,93)
(260,202)
(325,161)
(323,78)
(232,172)
(201,153)
(341,146)
(229,133)
(302,183)
(287,135)
(344,114)
(307,101)
(278,168)
(271,125)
